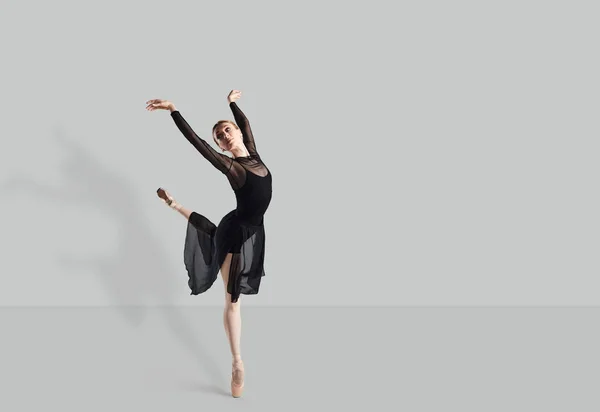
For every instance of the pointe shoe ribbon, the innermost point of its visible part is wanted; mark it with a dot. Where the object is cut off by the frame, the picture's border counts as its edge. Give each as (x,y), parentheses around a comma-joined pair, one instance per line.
(166,197)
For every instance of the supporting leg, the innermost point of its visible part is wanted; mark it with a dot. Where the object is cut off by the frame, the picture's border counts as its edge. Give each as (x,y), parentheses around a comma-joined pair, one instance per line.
(233,328)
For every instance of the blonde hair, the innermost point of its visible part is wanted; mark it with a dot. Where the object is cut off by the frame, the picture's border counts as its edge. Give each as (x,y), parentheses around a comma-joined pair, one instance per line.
(220,122)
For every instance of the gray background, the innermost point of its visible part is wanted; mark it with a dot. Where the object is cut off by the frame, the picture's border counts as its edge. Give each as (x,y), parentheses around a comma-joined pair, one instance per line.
(423,153)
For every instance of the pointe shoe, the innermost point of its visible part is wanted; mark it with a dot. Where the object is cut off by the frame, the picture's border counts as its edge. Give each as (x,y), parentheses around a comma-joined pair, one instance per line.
(237,379)
(166,197)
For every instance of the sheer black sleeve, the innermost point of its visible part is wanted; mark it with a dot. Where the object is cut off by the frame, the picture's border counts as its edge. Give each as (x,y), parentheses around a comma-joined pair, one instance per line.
(218,160)
(242,122)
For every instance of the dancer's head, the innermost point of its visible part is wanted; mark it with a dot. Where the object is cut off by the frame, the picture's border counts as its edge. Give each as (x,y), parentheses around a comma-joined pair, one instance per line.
(227,135)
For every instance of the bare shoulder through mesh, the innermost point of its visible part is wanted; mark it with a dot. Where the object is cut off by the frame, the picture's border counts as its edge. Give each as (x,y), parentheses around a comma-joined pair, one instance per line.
(240,166)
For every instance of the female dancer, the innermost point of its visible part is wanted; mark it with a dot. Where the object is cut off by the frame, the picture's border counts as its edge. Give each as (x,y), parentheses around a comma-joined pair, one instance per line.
(236,246)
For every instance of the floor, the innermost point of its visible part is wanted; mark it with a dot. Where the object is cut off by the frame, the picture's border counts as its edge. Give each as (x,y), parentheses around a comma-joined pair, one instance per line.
(296,359)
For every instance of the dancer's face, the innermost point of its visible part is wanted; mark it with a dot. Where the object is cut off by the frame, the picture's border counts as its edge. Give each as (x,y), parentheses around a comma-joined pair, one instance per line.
(227,135)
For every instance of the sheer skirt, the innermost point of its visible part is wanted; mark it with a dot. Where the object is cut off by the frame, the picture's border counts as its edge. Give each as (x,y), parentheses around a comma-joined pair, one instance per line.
(207,245)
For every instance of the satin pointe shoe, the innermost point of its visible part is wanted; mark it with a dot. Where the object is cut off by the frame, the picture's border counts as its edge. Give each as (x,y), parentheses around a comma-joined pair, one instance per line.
(237,379)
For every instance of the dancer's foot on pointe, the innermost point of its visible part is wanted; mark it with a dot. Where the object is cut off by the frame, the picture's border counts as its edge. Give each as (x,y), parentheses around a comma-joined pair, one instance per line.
(237,378)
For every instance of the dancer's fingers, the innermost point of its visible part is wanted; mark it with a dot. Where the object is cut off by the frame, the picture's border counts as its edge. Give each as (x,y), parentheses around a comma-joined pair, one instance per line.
(154,106)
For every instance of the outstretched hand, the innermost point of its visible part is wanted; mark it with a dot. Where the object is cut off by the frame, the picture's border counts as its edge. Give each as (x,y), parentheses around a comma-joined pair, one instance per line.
(234,95)
(155,104)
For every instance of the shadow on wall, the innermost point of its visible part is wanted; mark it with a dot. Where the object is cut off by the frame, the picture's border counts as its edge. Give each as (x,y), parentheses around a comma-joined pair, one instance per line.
(139,268)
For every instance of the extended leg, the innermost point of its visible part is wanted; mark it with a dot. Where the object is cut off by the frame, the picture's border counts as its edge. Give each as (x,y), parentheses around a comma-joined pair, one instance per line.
(168,199)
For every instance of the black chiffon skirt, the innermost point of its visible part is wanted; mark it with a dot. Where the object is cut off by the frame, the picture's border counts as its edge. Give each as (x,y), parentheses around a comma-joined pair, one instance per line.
(207,245)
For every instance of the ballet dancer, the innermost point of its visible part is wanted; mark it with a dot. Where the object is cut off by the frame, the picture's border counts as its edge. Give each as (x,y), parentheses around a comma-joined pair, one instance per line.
(236,246)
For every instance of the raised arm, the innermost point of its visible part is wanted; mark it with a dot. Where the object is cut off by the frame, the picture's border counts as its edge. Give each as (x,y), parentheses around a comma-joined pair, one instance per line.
(242,121)
(218,160)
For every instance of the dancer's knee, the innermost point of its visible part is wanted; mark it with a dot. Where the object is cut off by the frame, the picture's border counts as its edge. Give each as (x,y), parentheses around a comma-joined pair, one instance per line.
(231,306)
